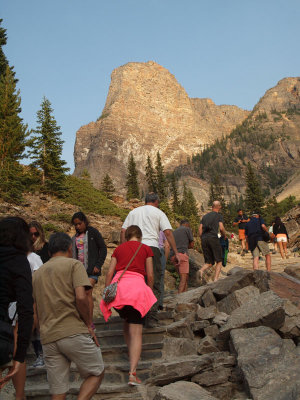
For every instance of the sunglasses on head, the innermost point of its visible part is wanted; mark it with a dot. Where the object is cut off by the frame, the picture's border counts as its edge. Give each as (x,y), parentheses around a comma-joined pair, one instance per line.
(36,234)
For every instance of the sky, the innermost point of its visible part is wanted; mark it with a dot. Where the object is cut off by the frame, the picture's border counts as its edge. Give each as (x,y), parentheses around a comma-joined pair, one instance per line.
(231,51)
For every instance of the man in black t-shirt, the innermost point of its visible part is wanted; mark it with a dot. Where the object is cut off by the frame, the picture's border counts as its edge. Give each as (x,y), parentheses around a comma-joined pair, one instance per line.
(241,220)
(209,228)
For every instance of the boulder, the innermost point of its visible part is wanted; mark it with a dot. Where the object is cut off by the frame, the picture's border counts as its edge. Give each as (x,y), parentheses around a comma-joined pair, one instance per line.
(215,377)
(196,261)
(286,287)
(212,331)
(293,270)
(206,313)
(223,391)
(237,298)
(207,345)
(266,309)
(198,326)
(191,296)
(223,287)
(220,319)
(291,328)
(181,329)
(167,371)
(182,390)
(270,365)
(178,347)
(208,299)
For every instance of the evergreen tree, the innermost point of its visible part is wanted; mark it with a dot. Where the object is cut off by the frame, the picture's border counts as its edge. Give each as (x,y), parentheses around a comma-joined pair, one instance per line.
(272,210)
(12,138)
(188,206)
(174,194)
(160,178)
(212,195)
(150,176)
(3,41)
(108,186)
(132,179)
(46,150)
(254,198)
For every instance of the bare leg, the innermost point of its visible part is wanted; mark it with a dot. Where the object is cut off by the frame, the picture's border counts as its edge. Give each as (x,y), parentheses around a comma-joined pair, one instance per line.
(268,262)
(255,262)
(281,249)
(218,270)
(183,283)
(59,396)
(135,345)
(205,267)
(19,382)
(285,249)
(243,243)
(89,387)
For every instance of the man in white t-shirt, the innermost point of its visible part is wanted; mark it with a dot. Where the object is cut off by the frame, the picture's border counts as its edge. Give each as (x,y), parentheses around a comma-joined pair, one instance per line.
(151,220)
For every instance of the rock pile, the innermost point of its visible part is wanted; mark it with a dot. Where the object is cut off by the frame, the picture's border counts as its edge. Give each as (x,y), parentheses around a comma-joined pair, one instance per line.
(233,339)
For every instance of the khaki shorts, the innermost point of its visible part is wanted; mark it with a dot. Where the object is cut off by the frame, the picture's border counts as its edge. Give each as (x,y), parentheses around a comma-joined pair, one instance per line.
(58,355)
(261,247)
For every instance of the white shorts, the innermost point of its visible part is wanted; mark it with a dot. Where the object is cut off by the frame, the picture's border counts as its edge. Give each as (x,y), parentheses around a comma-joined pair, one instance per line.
(281,239)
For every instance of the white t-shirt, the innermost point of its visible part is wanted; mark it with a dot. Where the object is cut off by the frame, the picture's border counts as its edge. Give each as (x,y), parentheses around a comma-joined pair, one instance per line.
(150,220)
(35,261)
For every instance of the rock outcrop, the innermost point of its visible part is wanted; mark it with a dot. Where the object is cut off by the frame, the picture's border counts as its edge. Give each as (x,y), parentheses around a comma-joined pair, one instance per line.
(147,111)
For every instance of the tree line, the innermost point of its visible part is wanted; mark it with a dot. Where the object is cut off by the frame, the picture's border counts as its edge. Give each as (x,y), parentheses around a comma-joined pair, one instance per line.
(43,144)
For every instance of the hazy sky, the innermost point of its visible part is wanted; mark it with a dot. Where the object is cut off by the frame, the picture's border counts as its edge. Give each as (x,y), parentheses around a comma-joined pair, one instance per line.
(229,50)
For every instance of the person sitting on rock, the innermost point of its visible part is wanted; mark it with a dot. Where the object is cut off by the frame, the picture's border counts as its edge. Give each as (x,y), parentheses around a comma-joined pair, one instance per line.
(184,240)
(134,297)
(89,248)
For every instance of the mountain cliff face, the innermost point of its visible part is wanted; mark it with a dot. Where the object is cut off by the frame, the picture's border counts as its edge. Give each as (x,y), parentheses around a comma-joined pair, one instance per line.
(269,138)
(148,111)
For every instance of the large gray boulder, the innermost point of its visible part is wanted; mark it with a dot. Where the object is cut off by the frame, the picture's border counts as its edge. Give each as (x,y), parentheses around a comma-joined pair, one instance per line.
(270,365)
(183,391)
(267,309)
(223,287)
(237,298)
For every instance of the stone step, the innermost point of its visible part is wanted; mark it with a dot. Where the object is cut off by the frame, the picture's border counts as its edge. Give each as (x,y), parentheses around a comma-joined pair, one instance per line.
(114,372)
(116,391)
(115,337)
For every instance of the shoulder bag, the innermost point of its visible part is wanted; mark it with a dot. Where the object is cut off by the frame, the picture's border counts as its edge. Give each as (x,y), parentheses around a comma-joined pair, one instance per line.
(110,292)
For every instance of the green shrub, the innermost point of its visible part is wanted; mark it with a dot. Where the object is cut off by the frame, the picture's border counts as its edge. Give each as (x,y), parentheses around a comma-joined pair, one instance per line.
(81,193)
(62,217)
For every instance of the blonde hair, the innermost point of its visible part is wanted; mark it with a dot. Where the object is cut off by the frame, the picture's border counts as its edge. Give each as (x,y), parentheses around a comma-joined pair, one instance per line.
(40,241)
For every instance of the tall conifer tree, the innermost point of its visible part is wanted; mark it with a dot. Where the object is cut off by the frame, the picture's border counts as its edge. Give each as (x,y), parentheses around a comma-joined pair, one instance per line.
(132,179)
(254,198)
(108,186)
(46,150)
(3,59)
(161,188)
(174,194)
(12,138)
(150,176)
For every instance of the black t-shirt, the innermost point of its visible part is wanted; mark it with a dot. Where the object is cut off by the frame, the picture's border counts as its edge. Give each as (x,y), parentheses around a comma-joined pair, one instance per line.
(210,224)
(242,225)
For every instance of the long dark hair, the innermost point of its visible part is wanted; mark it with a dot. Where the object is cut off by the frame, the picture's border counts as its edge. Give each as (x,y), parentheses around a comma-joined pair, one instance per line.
(81,216)
(14,232)
(278,222)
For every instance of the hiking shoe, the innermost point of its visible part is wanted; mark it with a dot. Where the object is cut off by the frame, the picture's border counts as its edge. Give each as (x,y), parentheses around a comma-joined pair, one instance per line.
(133,379)
(39,362)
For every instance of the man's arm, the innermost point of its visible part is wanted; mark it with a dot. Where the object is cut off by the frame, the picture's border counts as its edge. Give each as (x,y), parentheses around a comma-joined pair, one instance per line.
(82,305)
(170,238)
(222,229)
(122,236)
(191,245)
(167,249)
(200,230)
(264,227)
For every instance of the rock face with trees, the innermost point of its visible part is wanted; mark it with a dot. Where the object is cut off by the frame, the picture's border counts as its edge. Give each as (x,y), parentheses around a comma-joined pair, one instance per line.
(147,111)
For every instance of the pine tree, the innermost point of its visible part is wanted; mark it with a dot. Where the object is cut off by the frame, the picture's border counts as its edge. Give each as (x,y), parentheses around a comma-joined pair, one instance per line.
(108,186)
(150,176)
(13,135)
(132,179)
(46,151)
(160,178)
(174,194)
(254,198)
(3,41)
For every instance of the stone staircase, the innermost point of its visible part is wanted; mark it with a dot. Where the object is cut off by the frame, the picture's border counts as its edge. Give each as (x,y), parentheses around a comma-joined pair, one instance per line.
(115,357)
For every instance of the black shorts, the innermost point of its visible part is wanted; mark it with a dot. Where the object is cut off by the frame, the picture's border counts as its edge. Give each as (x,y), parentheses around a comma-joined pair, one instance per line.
(131,315)
(212,250)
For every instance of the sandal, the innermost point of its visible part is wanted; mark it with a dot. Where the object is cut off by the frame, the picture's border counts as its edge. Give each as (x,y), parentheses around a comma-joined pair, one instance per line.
(133,379)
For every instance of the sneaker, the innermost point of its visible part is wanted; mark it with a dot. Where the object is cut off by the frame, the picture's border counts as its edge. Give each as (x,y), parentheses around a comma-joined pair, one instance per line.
(133,379)
(39,362)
